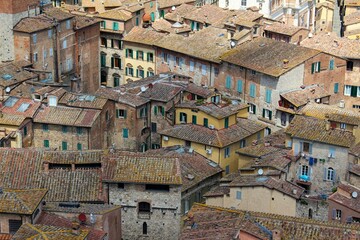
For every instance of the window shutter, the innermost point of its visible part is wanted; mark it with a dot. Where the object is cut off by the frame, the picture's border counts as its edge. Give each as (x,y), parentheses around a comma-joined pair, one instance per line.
(310,148)
(301,146)
(318,70)
(126,71)
(263,114)
(325,174)
(254,109)
(137,54)
(270,115)
(126,52)
(112,62)
(163,111)
(336,87)
(137,72)
(155,110)
(147,56)
(192,25)
(240,86)
(124,113)
(334,213)
(117,113)
(299,170)
(312,68)
(296,149)
(334,175)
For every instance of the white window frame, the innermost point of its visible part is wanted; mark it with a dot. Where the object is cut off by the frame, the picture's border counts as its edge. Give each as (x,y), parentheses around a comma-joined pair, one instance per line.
(338,214)
(305,170)
(267,114)
(330,174)
(347,90)
(251,108)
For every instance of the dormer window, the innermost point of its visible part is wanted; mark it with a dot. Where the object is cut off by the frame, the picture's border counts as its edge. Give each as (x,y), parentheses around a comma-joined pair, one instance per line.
(52,101)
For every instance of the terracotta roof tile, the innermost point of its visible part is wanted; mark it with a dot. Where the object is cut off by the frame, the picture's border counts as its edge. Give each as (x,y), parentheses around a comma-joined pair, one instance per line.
(314,129)
(11,119)
(332,44)
(218,191)
(34,24)
(170,3)
(50,219)
(161,91)
(122,97)
(4,236)
(214,110)
(303,96)
(213,137)
(344,197)
(37,231)
(282,28)
(352,18)
(208,217)
(84,21)
(82,101)
(22,107)
(266,56)
(11,74)
(58,13)
(176,15)
(142,169)
(116,14)
(69,157)
(143,35)
(198,167)
(355,150)
(199,90)
(354,168)
(19,201)
(86,208)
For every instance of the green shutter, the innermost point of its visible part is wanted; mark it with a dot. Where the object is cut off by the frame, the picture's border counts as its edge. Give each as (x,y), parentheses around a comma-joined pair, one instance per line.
(254,109)
(319,67)
(137,54)
(64,145)
(112,62)
(46,143)
(312,68)
(194,119)
(137,72)
(270,115)
(336,87)
(206,122)
(125,113)
(117,113)
(125,133)
(353,91)
(152,15)
(226,122)
(126,71)
(155,110)
(147,56)
(163,111)
(126,52)
(192,25)
(240,86)
(79,146)
(263,115)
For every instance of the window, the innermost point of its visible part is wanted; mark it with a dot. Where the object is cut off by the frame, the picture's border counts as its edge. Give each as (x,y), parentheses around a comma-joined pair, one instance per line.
(68,24)
(331,64)
(34,38)
(227,169)
(228,82)
(336,87)
(157,187)
(315,67)
(79,130)
(35,57)
(102,24)
(194,119)
(144,207)
(64,146)
(143,112)
(268,95)
(252,90)
(115,26)
(238,195)
(252,108)
(103,60)
(64,129)
(329,174)
(242,143)
(216,71)
(304,170)
(14,225)
(51,53)
(243,3)
(331,152)
(64,44)
(79,146)
(267,131)
(347,90)
(140,55)
(141,73)
(25,131)
(227,152)
(267,114)
(129,53)
(349,65)
(342,125)
(160,110)
(239,86)
(129,71)
(120,113)
(153,127)
(45,127)
(203,69)
(226,122)
(150,57)
(191,66)
(194,26)
(144,227)
(125,133)
(306,147)
(337,214)
(116,81)
(117,62)
(215,99)
(50,32)
(206,122)
(46,143)
(183,117)
(253,72)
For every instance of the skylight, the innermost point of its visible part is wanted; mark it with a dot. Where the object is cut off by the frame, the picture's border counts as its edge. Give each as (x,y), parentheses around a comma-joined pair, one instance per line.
(23,107)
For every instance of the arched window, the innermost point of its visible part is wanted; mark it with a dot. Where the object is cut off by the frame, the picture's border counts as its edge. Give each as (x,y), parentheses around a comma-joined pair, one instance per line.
(144,228)
(144,207)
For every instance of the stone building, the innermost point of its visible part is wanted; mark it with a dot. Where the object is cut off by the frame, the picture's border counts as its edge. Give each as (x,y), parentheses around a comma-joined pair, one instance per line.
(148,188)
(64,48)
(11,12)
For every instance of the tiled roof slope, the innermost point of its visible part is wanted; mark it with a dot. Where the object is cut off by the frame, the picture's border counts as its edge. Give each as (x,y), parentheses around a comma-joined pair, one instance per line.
(180,11)
(137,168)
(302,96)
(50,219)
(213,137)
(20,201)
(344,197)
(314,129)
(354,168)
(352,18)
(268,182)
(22,102)
(334,113)
(24,169)
(332,44)
(84,21)
(282,28)
(266,56)
(122,97)
(86,208)
(45,232)
(116,14)
(214,110)
(57,13)
(291,228)
(33,24)
(143,35)
(16,73)
(69,157)
(170,3)
(161,91)
(198,166)
(11,119)
(83,101)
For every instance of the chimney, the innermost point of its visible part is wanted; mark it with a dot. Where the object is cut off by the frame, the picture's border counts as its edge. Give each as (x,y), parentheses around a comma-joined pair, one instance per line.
(73,167)
(285,63)
(46,167)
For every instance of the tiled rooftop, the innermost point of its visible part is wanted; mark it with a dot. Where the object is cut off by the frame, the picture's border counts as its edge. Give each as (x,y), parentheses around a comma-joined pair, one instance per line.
(84,21)
(116,14)
(332,44)
(24,168)
(161,91)
(20,201)
(67,116)
(122,97)
(86,208)
(268,182)
(170,3)
(266,56)
(334,113)
(137,168)
(214,110)
(11,119)
(11,74)
(314,129)
(57,13)
(83,101)
(354,168)
(69,157)
(50,219)
(33,24)
(212,137)
(176,16)
(198,167)
(302,96)
(352,18)
(218,191)
(45,232)
(343,196)
(143,35)
(198,90)
(207,219)
(283,28)
(22,107)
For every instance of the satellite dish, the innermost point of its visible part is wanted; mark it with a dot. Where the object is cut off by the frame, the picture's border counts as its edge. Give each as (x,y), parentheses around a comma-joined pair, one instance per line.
(92,218)
(173,8)
(260,171)
(7,89)
(232,44)
(354,194)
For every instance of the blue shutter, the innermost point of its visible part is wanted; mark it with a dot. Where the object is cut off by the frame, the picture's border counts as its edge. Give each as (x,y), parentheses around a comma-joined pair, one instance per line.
(334,175)
(310,148)
(240,86)
(268,96)
(332,151)
(331,65)
(325,174)
(301,147)
(336,87)
(296,148)
(238,195)
(228,82)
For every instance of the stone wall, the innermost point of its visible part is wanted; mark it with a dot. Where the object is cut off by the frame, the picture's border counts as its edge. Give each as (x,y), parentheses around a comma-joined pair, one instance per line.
(312,208)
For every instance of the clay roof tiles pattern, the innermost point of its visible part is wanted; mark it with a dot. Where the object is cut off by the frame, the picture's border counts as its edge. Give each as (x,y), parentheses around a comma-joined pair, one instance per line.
(199,90)
(4,236)
(303,96)
(143,35)
(122,97)
(171,3)
(314,129)
(346,200)
(176,16)
(19,201)
(212,137)
(46,232)
(84,21)
(50,219)
(86,208)
(214,110)
(116,14)
(354,168)
(161,91)
(352,18)
(282,28)
(11,74)
(20,105)
(208,217)
(33,24)
(11,119)
(332,44)
(266,56)
(83,101)
(58,13)
(198,166)
(142,169)
(218,191)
